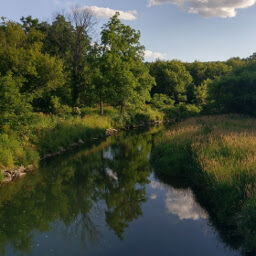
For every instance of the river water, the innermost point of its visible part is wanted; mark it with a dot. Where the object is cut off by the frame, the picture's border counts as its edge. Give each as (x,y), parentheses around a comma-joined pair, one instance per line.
(105,199)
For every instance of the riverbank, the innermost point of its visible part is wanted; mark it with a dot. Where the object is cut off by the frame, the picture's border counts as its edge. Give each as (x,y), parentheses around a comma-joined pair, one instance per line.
(46,136)
(105,189)
(49,136)
(217,155)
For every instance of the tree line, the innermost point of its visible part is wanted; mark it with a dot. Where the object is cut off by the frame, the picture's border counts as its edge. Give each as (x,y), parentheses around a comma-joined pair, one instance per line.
(57,68)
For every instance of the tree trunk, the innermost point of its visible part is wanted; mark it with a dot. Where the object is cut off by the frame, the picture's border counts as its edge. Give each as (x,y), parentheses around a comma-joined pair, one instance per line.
(122,108)
(101,107)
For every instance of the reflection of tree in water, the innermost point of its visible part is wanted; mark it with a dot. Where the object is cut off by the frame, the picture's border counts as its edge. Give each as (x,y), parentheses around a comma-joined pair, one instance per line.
(49,201)
(67,189)
(125,196)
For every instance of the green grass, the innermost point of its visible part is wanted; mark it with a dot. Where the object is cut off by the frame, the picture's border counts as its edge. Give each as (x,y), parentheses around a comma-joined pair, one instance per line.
(131,117)
(181,111)
(51,136)
(48,133)
(218,155)
(16,151)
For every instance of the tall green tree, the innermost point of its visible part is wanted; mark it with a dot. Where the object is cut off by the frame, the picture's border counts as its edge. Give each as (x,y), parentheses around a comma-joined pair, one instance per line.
(124,74)
(235,93)
(21,54)
(68,38)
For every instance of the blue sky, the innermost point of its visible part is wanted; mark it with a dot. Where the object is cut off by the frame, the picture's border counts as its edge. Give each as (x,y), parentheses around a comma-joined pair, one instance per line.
(188,30)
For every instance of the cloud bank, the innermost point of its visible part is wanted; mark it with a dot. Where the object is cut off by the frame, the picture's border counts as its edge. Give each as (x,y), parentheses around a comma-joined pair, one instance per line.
(102,12)
(208,8)
(154,55)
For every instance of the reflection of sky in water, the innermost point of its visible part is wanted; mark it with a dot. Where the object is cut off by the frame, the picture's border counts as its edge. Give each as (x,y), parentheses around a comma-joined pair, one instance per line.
(111,174)
(179,202)
(108,153)
(85,204)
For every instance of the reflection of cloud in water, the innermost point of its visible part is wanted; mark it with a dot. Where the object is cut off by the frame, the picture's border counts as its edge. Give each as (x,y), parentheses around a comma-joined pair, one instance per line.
(157,185)
(153,196)
(111,174)
(180,202)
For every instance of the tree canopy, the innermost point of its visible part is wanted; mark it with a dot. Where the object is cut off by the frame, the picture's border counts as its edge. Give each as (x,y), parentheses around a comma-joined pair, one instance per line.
(121,64)
(56,67)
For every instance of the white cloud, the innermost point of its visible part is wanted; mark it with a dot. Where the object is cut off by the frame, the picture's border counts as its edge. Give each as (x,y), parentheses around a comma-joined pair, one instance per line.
(154,55)
(208,8)
(107,13)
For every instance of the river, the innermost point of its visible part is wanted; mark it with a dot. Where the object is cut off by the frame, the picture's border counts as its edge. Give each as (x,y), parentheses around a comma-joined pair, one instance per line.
(105,199)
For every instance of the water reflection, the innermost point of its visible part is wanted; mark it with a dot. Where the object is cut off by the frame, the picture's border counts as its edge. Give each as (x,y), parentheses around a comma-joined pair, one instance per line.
(97,201)
(225,234)
(180,202)
(70,189)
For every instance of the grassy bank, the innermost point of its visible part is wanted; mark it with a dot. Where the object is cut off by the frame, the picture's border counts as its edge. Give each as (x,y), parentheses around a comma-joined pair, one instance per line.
(218,155)
(47,134)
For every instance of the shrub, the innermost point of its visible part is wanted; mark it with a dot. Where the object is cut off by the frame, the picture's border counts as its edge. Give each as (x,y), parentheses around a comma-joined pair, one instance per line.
(59,109)
(181,111)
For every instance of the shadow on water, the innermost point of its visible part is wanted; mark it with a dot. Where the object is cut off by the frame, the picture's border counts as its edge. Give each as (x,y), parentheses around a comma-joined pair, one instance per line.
(82,196)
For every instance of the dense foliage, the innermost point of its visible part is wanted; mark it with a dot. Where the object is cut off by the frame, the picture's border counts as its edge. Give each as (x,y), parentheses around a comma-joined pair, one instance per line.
(56,69)
(235,93)
(188,82)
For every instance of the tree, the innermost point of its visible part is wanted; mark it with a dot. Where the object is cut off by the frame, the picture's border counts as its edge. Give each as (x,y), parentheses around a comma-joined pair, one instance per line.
(15,111)
(172,79)
(235,93)
(29,23)
(124,75)
(198,71)
(235,62)
(201,93)
(160,100)
(68,38)
(203,73)
(38,73)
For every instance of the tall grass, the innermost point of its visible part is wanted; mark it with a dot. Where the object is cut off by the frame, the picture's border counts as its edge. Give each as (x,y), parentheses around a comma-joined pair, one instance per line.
(16,151)
(128,117)
(50,133)
(218,155)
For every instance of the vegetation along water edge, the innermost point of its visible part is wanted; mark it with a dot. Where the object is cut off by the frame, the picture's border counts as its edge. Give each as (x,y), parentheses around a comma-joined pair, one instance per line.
(217,156)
